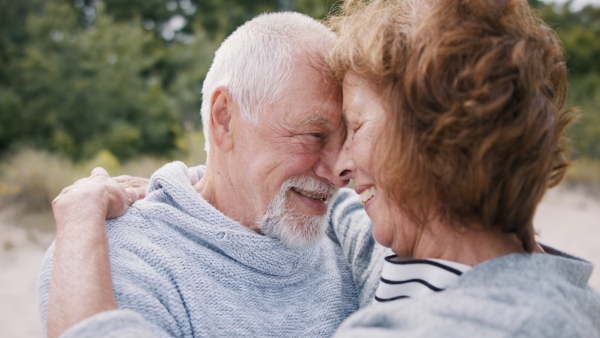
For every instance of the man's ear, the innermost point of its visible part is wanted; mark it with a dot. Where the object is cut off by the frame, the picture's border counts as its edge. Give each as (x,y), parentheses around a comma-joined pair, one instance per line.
(222,109)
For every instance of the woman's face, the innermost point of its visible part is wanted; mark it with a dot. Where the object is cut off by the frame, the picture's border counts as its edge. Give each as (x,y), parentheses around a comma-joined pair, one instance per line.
(364,115)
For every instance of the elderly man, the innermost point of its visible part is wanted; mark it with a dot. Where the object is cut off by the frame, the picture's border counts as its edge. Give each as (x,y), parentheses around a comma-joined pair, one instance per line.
(242,251)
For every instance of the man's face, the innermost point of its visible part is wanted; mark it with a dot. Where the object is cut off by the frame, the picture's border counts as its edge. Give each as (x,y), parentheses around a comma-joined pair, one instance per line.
(291,154)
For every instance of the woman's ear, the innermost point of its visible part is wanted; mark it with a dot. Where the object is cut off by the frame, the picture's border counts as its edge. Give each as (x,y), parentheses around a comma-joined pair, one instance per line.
(222,108)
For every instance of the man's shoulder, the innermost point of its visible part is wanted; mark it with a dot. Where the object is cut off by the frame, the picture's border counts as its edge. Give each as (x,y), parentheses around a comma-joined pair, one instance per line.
(154,216)
(131,221)
(159,232)
(138,231)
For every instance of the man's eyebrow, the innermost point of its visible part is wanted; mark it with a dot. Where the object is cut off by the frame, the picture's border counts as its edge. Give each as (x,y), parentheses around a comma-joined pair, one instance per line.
(316,121)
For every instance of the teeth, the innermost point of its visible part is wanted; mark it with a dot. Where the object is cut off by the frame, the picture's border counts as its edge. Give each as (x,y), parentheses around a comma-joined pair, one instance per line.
(309,195)
(366,195)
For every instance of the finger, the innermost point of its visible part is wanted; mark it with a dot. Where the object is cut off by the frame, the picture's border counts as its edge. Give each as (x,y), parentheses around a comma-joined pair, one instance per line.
(56,199)
(141,192)
(132,180)
(140,183)
(193,178)
(132,195)
(99,171)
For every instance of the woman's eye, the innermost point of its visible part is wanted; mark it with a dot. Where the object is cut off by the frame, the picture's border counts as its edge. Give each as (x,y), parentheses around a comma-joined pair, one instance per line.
(317,135)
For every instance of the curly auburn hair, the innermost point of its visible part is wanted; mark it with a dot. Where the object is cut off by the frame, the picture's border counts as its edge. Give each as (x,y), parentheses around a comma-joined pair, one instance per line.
(477,90)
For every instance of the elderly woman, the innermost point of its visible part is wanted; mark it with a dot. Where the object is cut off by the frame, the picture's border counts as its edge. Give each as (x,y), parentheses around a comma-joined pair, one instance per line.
(454,111)
(454,115)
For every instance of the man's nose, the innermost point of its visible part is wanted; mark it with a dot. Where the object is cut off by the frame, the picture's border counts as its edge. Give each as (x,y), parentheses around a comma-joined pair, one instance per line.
(325,170)
(344,165)
(326,167)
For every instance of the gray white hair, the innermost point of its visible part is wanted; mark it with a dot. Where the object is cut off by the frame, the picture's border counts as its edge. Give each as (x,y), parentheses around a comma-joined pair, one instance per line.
(256,61)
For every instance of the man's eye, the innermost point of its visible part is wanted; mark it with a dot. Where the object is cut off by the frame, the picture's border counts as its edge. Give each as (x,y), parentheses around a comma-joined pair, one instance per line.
(317,135)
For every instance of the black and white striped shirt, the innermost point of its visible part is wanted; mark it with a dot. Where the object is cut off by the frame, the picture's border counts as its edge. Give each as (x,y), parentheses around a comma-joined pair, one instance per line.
(410,278)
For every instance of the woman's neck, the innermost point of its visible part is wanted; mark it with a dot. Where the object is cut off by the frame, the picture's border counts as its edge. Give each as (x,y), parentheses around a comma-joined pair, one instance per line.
(463,245)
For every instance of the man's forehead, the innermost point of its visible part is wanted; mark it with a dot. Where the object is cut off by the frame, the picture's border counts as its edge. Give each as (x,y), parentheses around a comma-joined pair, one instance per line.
(322,116)
(326,106)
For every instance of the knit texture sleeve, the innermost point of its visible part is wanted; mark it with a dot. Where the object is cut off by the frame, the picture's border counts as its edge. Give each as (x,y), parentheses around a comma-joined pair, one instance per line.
(351,227)
(138,284)
(111,324)
(43,286)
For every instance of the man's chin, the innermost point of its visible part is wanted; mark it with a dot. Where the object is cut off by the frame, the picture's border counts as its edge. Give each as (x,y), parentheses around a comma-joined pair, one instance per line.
(306,239)
(296,231)
(296,220)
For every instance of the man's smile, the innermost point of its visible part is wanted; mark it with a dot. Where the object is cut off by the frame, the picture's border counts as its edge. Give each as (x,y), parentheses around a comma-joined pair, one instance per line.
(315,196)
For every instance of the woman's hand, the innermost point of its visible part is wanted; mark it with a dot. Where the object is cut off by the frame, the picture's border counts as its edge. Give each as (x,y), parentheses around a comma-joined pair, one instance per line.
(98,195)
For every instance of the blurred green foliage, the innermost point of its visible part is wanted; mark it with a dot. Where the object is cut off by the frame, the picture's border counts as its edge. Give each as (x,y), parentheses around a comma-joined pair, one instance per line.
(580,34)
(78,77)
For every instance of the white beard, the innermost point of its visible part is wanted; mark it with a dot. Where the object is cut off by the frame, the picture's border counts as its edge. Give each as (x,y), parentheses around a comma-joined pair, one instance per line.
(295,230)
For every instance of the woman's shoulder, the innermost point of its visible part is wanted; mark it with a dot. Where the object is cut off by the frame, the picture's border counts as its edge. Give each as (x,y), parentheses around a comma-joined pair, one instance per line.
(536,295)
(473,313)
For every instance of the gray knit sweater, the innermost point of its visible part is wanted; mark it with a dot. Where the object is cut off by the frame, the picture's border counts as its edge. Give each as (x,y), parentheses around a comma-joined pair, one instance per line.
(518,295)
(189,271)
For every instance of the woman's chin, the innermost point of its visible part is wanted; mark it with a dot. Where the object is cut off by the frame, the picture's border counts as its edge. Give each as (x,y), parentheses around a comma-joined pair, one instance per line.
(382,233)
(386,227)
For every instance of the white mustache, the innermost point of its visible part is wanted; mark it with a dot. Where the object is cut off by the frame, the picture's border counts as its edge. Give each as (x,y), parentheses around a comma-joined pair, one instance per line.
(293,229)
(310,185)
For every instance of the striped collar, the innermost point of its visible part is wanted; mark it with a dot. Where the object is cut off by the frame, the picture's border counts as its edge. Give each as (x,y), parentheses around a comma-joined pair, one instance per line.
(410,278)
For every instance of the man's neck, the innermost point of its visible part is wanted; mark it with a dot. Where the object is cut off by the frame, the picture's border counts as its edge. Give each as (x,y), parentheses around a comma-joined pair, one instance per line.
(219,190)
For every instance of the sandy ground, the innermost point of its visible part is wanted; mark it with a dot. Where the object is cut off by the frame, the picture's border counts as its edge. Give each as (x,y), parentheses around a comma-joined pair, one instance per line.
(21,252)
(568,219)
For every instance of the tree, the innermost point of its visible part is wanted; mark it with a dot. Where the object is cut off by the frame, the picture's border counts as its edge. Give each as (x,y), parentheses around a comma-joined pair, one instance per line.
(78,90)
(79,76)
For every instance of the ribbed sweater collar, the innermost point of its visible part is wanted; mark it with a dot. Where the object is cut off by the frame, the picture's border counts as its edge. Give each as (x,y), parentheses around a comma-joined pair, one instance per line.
(183,207)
